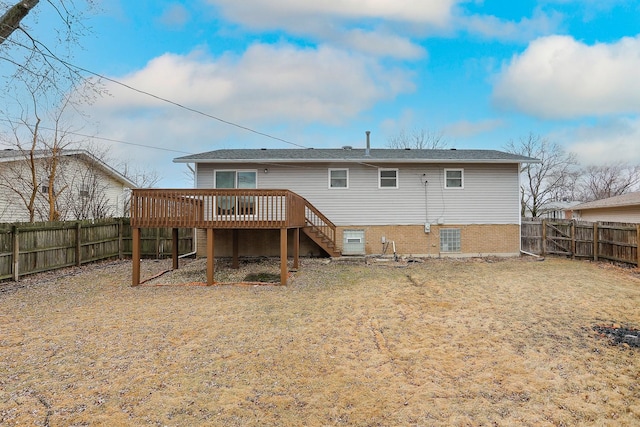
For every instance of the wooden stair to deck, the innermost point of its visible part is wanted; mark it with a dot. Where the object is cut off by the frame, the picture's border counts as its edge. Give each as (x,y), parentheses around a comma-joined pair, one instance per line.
(322,240)
(320,230)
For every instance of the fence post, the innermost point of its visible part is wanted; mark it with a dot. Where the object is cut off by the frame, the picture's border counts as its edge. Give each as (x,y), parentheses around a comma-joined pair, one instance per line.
(573,239)
(16,253)
(158,243)
(544,237)
(78,244)
(638,245)
(595,241)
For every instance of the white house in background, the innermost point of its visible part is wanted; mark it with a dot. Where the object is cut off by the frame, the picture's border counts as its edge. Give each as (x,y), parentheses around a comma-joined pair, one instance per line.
(423,202)
(562,209)
(88,187)
(623,208)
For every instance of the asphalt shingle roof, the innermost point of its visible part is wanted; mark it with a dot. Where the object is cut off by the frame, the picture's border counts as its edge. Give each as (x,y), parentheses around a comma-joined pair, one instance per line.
(355,155)
(629,199)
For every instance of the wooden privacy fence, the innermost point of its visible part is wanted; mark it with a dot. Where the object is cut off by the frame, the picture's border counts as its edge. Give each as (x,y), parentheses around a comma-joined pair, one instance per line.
(34,248)
(595,240)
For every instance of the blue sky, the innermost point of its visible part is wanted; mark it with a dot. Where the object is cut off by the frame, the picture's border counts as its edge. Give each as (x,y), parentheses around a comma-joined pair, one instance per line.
(319,74)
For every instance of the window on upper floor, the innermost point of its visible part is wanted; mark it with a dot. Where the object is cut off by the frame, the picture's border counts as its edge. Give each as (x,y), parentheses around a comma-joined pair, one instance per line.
(387,178)
(454,178)
(338,178)
(84,191)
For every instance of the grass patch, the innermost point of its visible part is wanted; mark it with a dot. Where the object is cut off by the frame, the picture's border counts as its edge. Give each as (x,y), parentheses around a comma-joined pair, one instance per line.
(437,343)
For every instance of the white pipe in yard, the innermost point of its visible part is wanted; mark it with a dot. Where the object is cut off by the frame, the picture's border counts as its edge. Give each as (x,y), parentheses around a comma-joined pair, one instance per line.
(531,254)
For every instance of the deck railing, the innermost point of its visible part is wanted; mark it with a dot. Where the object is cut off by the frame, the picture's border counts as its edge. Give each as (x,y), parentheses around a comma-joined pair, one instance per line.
(217,208)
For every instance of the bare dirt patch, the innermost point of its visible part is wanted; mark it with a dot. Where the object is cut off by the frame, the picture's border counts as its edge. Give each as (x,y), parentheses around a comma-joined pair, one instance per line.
(441,342)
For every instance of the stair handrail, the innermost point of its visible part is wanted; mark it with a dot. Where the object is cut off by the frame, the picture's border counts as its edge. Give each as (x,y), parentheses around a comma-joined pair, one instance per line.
(319,222)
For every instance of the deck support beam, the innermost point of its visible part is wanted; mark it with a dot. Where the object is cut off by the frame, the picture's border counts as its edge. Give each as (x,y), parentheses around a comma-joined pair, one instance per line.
(235,264)
(210,255)
(135,256)
(174,248)
(283,256)
(296,247)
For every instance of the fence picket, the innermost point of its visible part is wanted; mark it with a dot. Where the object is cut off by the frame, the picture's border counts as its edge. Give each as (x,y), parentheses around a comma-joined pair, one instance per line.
(598,241)
(33,248)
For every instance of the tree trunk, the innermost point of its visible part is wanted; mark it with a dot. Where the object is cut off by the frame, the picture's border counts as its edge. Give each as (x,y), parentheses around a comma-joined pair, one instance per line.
(12,17)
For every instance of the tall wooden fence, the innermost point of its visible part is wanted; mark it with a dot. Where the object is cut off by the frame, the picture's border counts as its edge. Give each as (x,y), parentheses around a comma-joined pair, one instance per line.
(595,240)
(33,248)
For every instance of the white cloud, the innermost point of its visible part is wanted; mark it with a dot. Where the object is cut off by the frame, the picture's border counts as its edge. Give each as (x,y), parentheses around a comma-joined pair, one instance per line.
(492,27)
(612,141)
(267,83)
(559,77)
(378,27)
(380,43)
(263,13)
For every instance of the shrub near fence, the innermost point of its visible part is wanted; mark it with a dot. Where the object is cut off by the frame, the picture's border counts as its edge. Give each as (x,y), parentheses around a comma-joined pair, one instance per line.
(32,248)
(598,241)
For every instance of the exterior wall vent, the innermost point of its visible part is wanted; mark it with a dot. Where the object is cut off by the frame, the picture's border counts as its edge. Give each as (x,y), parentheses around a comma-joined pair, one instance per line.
(353,242)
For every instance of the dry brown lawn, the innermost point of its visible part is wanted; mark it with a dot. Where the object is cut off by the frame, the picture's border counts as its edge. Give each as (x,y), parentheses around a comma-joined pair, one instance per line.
(439,343)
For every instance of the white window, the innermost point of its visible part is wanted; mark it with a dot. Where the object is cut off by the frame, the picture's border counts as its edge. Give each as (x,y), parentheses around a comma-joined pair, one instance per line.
(240,179)
(454,178)
(450,240)
(338,178)
(387,178)
(44,184)
(84,191)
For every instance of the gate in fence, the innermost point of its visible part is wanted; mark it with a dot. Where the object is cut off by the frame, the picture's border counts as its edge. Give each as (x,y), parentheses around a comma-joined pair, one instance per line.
(598,241)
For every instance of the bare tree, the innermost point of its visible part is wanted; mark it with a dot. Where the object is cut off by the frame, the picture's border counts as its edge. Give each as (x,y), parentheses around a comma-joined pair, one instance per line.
(601,182)
(88,196)
(419,139)
(29,58)
(10,20)
(34,177)
(541,182)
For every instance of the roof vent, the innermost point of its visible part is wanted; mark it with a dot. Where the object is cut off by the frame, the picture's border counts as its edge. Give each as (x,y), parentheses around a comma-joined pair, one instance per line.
(263,149)
(452,149)
(407,148)
(347,147)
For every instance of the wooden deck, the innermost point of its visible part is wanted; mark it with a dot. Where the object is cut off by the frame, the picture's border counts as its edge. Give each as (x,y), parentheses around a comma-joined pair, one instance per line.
(235,209)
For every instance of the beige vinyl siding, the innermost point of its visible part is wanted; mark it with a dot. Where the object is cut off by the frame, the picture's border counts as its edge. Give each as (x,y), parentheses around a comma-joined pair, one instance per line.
(490,194)
(630,214)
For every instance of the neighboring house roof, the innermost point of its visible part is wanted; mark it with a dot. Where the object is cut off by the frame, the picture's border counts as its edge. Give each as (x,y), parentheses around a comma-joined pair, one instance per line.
(9,155)
(559,205)
(350,155)
(629,199)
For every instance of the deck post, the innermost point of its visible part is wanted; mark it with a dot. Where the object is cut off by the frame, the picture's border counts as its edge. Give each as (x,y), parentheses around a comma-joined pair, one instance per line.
(283,256)
(235,264)
(135,256)
(174,247)
(210,254)
(296,247)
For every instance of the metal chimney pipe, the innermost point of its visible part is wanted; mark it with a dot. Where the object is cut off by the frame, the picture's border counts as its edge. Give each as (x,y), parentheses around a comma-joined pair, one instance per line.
(367,151)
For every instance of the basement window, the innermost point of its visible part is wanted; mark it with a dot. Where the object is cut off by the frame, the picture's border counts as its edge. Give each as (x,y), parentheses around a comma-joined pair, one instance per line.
(450,240)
